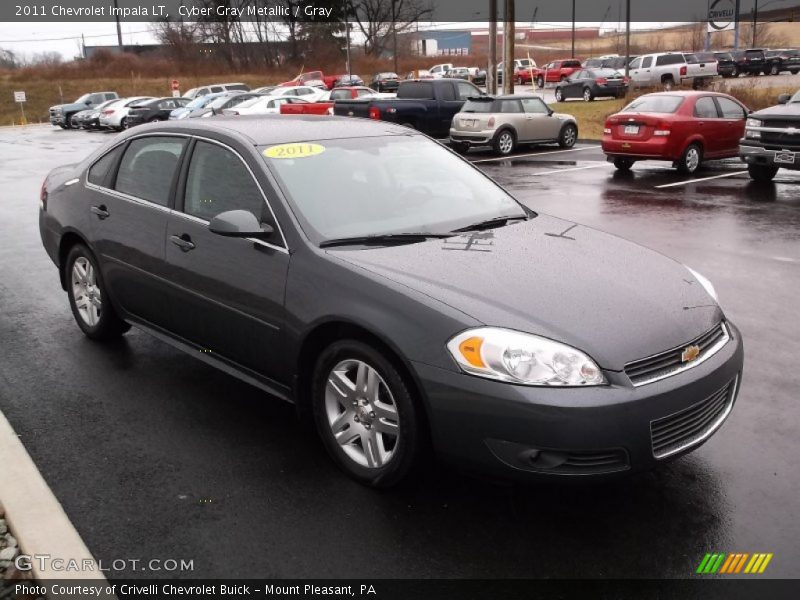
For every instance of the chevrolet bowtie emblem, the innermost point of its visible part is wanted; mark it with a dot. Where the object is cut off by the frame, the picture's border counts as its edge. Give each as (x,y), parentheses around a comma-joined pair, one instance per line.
(690,353)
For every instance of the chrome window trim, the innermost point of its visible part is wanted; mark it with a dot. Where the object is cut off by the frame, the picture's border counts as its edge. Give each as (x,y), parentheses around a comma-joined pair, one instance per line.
(732,392)
(726,337)
(144,202)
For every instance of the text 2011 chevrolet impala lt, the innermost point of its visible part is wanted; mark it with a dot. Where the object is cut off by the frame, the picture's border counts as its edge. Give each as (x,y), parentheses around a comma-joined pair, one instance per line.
(395,293)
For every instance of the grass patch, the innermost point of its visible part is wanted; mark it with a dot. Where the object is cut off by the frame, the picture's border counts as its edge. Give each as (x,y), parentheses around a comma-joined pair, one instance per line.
(591,116)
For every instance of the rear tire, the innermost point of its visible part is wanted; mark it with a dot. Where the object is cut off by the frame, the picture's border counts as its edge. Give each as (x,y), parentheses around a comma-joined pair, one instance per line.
(357,393)
(540,82)
(623,164)
(762,173)
(773,70)
(735,72)
(504,142)
(88,296)
(568,136)
(690,160)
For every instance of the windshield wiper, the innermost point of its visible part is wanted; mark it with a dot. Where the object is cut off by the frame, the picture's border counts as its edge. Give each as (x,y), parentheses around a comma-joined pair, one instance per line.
(493,222)
(383,238)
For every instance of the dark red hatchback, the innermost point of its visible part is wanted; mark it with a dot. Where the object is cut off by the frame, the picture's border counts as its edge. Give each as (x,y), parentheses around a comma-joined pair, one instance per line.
(685,128)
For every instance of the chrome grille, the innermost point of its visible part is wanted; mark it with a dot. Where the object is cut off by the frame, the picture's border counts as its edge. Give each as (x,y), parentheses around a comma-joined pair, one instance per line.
(692,425)
(665,364)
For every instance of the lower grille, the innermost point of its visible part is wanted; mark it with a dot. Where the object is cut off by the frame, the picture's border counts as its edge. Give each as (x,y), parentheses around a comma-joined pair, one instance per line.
(592,463)
(692,425)
(559,462)
(659,366)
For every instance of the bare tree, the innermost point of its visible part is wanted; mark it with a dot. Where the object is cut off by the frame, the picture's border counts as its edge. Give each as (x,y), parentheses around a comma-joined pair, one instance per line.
(8,60)
(381,20)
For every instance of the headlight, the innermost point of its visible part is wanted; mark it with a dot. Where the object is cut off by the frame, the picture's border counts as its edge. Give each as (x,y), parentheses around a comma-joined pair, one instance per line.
(707,285)
(754,123)
(522,358)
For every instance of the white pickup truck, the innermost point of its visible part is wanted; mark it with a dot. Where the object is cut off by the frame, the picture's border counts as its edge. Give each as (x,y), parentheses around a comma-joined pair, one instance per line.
(668,69)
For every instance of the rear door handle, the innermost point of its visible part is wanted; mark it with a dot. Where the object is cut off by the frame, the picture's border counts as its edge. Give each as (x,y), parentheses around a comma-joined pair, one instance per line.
(184,242)
(101,211)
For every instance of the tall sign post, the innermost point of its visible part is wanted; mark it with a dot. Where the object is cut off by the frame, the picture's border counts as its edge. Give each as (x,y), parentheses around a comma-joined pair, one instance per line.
(21,99)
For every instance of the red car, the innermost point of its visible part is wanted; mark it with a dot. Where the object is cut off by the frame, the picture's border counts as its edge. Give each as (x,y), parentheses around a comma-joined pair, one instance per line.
(325,107)
(556,71)
(685,128)
(313,78)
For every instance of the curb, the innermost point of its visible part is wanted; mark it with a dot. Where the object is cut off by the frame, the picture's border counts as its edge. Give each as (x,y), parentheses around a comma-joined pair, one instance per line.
(36,517)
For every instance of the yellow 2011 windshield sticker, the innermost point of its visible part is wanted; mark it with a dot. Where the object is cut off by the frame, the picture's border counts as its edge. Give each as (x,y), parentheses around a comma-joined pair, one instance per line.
(298,150)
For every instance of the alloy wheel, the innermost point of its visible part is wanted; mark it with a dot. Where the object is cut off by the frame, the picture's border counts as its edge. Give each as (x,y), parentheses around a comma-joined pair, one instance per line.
(86,291)
(559,96)
(362,413)
(692,159)
(587,95)
(505,142)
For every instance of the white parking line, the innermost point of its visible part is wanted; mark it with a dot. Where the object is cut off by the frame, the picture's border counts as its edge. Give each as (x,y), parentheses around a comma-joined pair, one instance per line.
(534,154)
(570,169)
(668,185)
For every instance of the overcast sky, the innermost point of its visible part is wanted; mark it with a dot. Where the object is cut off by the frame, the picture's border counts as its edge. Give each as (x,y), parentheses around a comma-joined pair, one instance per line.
(27,39)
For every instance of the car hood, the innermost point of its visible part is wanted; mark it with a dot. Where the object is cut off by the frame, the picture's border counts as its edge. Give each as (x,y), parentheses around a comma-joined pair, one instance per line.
(790,110)
(609,297)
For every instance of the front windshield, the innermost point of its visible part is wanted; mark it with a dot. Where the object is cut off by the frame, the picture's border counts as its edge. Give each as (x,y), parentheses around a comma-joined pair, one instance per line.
(200,102)
(380,185)
(83,99)
(654,104)
(219,102)
(796,97)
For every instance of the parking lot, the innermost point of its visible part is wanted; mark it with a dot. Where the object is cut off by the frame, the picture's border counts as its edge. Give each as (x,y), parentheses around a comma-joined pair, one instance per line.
(155,454)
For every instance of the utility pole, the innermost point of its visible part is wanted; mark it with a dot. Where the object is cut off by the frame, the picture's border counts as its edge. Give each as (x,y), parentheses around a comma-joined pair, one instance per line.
(573,30)
(736,26)
(83,46)
(491,77)
(394,34)
(627,37)
(347,35)
(119,28)
(508,65)
(755,23)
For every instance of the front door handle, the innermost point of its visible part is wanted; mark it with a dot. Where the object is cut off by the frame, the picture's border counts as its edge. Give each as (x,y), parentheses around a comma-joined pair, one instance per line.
(101,211)
(184,242)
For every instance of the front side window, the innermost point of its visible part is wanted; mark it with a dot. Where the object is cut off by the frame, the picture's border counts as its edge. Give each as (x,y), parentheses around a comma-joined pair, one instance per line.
(148,168)
(219,181)
(636,63)
(647,62)
(730,109)
(381,185)
(535,106)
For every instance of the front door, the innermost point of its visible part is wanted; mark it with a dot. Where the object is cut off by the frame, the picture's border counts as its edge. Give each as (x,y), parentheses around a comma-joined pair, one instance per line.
(540,125)
(130,211)
(227,293)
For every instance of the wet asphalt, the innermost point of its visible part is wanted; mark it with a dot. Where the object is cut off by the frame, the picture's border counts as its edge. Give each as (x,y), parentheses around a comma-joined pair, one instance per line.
(154,454)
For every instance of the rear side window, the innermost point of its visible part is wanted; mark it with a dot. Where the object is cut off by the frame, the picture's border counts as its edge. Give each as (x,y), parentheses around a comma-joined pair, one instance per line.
(238,87)
(466,90)
(730,109)
(669,59)
(447,92)
(99,171)
(705,108)
(510,106)
(416,89)
(571,63)
(218,181)
(148,168)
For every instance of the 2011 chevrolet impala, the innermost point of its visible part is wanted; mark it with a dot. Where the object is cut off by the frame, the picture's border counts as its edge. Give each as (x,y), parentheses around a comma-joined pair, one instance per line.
(396,294)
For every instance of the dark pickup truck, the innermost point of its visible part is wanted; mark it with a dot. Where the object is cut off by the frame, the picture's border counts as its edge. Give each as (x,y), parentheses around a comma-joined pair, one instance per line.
(427,105)
(772,139)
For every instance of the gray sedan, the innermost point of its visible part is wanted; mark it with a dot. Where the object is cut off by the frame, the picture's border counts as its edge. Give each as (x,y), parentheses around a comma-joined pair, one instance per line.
(505,122)
(414,309)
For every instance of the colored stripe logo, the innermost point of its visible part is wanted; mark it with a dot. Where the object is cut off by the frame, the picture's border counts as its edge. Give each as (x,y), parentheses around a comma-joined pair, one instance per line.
(734,563)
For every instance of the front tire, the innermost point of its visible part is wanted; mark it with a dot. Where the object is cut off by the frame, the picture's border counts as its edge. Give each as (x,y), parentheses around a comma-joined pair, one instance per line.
(559,95)
(88,296)
(123,124)
(762,173)
(568,136)
(587,95)
(668,83)
(365,414)
(690,160)
(774,70)
(504,142)
(540,82)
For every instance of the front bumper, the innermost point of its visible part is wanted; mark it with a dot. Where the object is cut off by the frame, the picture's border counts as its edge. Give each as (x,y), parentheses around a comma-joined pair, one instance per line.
(526,433)
(57,119)
(758,155)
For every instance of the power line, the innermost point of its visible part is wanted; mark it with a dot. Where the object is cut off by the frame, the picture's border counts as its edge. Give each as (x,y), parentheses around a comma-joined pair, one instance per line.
(71,37)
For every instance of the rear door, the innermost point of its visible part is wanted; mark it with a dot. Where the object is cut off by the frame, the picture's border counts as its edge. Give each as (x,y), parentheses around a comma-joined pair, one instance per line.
(573,86)
(130,207)
(227,293)
(709,124)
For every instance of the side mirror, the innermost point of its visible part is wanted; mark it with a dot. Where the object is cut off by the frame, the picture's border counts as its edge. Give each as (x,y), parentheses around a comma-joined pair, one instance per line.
(240,224)
(88,103)
(784,98)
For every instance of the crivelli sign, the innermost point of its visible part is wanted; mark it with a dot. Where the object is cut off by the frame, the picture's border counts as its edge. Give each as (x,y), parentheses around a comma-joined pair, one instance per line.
(721,15)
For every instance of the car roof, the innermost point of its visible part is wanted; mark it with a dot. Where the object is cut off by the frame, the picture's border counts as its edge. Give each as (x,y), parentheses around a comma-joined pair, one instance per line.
(263,130)
(687,93)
